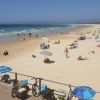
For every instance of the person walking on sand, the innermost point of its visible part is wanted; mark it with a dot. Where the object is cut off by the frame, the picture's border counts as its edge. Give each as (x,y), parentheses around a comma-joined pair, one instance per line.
(66,51)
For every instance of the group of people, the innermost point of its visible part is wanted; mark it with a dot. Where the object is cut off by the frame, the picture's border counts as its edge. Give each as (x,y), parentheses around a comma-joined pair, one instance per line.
(57,42)
(79,58)
(23,35)
(44,46)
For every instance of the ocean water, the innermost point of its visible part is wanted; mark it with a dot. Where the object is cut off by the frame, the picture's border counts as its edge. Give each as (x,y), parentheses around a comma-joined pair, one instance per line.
(9,32)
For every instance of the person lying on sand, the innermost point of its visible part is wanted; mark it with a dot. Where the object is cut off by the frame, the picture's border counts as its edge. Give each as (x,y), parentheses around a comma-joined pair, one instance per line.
(34,56)
(91,52)
(46,60)
(73,47)
(98,46)
(81,58)
(5,52)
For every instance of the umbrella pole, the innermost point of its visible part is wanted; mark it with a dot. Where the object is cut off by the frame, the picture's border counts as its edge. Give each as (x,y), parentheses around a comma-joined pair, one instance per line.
(16,76)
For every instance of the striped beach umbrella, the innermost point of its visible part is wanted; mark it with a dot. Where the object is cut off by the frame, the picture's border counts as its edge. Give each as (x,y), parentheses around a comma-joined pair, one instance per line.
(46,53)
(4,69)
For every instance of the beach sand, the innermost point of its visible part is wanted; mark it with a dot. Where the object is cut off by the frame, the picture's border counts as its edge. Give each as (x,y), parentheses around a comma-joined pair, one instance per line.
(64,70)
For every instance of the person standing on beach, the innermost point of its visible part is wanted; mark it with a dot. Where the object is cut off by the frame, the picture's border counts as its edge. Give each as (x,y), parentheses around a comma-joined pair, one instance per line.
(30,34)
(66,51)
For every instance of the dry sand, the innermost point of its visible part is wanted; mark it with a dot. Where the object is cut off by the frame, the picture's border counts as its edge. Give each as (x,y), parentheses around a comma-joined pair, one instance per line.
(64,70)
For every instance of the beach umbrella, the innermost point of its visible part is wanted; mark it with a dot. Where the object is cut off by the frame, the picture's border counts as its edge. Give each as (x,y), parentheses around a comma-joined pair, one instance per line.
(83,92)
(44,38)
(46,53)
(4,69)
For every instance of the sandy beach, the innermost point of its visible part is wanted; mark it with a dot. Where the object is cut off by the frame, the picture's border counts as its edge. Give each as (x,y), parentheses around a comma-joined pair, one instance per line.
(64,70)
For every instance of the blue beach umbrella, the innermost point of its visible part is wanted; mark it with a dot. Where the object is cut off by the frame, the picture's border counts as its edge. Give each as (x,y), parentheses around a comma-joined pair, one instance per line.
(4,69)
(83,92)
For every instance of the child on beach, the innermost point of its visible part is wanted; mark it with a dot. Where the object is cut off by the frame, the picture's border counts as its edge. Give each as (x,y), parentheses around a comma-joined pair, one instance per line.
(66,51)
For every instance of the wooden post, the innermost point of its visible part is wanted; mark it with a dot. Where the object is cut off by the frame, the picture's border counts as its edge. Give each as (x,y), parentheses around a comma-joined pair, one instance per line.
(70,92)
(40,84)
(16,76)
